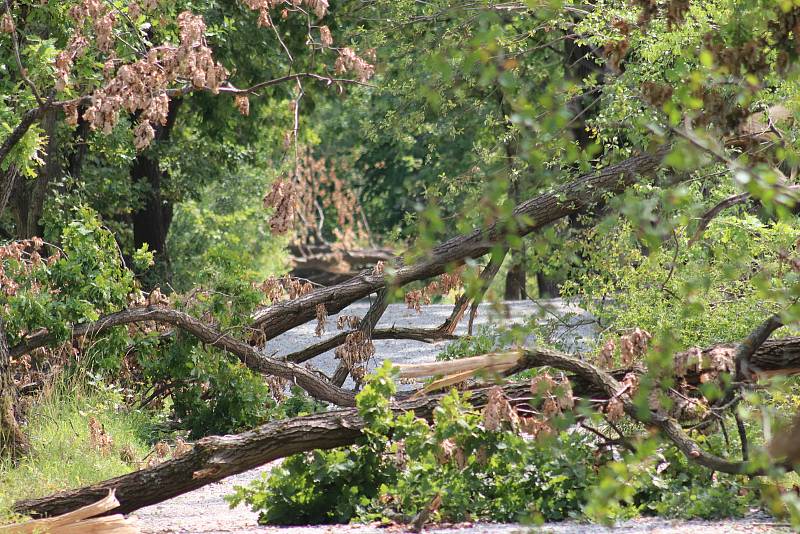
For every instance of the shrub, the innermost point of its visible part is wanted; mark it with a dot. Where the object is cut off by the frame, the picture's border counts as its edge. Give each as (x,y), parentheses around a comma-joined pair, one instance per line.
(403,464)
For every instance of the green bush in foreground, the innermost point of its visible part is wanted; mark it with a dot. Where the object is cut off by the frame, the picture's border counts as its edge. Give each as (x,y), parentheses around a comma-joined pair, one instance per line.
(403,464)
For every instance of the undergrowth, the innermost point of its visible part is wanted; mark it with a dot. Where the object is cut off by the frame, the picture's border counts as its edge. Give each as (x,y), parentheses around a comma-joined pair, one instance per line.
(80,433)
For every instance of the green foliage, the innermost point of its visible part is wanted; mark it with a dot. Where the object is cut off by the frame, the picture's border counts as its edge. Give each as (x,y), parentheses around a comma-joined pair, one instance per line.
(483,342)
(702,292)
(402,463)
(212,392)
(77,283)
(662,481)
(328,486)
(224,233)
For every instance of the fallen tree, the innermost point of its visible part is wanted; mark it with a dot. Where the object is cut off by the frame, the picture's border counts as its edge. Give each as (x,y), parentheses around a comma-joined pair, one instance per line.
(327,265)
(534,214)
(529,216)
(217,457)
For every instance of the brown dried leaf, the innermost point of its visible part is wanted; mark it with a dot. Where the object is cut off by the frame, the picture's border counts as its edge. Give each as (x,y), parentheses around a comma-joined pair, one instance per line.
(605,358)
(242,104)
(322,317)
(498,410)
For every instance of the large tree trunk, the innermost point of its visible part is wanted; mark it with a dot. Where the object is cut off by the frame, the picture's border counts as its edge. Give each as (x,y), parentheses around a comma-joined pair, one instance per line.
(152,219)
(547,286)
(27,197)
(579,64)
(217,457)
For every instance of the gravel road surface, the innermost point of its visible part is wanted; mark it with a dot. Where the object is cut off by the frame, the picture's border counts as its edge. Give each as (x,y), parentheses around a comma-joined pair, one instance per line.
(205,512)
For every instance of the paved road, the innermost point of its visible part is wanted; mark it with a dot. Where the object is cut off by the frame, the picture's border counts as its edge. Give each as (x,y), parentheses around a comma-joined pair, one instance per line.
(205,512)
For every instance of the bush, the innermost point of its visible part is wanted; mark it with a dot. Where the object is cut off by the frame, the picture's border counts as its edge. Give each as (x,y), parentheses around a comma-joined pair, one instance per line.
(402,464)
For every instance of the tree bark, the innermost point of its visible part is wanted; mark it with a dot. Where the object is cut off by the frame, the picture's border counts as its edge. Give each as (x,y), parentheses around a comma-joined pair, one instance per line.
(547,286)
(324,265)
(27,197)
(27,120)
(152,219)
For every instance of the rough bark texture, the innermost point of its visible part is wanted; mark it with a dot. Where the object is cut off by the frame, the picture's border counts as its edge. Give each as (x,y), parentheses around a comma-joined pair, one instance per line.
(217,457)
(529,216)
(152,220)
(516,277)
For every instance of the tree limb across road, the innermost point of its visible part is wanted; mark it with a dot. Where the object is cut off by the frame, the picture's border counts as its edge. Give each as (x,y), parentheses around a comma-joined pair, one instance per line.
(529,216)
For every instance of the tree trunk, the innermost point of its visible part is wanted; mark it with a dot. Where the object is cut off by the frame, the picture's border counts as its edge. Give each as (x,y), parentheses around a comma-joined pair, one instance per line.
(13,441)
(579,65)
(547,286)
(80,145)
(152,219)
(27,197)
(516,277)
(531,215)
(217,457)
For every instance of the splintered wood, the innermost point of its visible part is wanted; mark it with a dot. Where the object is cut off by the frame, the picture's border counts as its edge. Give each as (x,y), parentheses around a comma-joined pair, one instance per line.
(80,521)
(457,371)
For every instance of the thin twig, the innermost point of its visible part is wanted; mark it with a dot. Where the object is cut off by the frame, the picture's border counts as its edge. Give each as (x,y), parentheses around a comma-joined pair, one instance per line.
(742,437)
(23,72)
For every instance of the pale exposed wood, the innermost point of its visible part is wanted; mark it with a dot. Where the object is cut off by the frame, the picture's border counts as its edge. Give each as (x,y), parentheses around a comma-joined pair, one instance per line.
(79,521)
(496,362)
